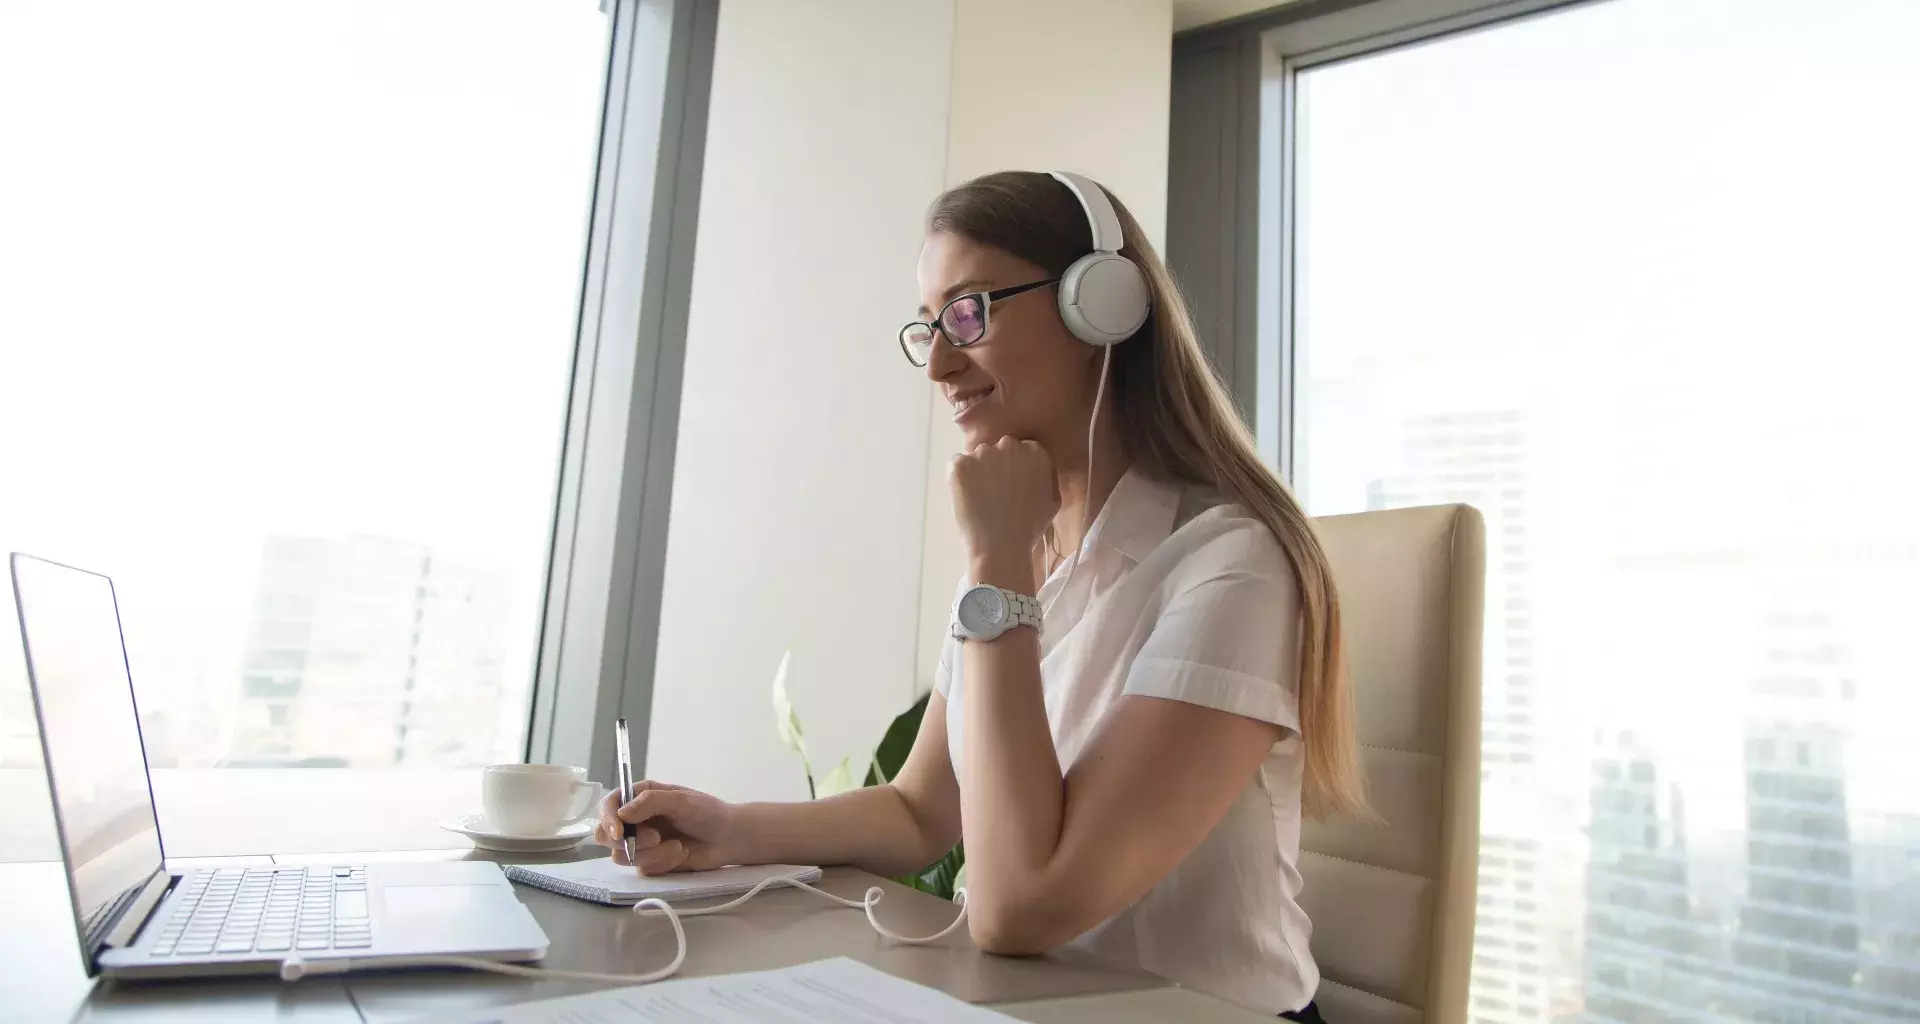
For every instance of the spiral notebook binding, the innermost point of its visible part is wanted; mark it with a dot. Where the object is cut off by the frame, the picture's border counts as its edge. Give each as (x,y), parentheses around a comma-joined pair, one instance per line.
(542,880)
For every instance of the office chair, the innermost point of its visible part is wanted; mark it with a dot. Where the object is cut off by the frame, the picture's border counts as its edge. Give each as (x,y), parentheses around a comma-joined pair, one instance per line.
(1392,903)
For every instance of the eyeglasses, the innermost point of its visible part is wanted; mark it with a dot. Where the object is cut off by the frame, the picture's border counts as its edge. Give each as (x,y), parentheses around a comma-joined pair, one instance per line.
(963,320)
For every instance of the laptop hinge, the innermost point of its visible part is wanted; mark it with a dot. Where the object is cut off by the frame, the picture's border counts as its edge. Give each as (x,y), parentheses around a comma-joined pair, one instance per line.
(137,912)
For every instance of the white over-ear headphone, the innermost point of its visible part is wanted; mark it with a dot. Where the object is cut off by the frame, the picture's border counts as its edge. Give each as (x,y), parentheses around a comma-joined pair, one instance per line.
(1103,295)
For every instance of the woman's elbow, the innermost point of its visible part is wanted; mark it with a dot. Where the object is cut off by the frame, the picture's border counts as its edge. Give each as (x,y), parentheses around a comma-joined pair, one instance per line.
(935,830)
(1014,928)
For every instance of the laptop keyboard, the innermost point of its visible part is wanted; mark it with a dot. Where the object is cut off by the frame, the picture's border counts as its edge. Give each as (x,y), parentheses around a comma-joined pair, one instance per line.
(267,910)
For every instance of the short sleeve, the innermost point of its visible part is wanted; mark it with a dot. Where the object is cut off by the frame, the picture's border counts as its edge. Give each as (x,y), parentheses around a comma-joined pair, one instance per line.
(949,650)
(1229,641)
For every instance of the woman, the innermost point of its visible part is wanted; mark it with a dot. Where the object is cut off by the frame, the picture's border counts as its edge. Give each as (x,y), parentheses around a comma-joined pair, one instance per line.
(1131,776)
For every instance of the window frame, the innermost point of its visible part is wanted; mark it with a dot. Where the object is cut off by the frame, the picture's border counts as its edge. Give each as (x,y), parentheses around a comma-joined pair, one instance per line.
(1242,162)
(599,622)
(1286,50)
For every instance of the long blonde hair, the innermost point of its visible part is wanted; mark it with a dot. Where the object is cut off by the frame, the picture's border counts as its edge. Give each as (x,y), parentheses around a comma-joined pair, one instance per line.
(1177,420)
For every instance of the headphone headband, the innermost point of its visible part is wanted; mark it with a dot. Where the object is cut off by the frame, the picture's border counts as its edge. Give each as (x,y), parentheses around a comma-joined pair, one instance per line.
(1107,234)
(1103,296)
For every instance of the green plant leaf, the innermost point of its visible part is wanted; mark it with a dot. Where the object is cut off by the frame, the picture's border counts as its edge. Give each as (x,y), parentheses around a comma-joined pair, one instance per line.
(837,781)
(894,747)
(944,877)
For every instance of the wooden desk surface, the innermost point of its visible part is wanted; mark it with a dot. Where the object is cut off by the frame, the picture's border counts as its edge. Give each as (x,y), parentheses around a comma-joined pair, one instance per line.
(44,979)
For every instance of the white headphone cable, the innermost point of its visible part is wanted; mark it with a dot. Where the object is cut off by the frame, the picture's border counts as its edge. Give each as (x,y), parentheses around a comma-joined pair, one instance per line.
(293,968)
(1093,421)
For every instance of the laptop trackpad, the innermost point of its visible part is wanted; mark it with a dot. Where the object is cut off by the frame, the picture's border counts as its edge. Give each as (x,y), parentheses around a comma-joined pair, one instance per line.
(448,918)
(434,901)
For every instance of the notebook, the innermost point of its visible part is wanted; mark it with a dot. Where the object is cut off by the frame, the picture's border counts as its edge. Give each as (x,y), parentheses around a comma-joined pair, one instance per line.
(603,881)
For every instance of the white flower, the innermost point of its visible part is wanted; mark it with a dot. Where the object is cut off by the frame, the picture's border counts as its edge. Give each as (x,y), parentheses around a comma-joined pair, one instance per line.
(837,781)
(783,714)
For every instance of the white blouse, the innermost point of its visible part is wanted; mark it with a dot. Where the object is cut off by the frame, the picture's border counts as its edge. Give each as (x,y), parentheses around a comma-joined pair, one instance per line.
(1182,597)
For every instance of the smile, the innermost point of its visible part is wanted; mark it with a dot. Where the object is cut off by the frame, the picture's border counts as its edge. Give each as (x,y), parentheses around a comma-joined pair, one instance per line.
(964,403)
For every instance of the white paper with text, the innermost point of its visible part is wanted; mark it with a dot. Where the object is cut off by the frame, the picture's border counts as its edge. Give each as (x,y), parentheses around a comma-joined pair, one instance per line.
(837,990)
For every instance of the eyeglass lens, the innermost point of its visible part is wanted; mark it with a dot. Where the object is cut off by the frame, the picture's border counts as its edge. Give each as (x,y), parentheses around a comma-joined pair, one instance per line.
(964,320)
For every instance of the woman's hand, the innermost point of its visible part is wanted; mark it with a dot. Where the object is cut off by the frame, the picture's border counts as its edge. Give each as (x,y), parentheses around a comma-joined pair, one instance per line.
(1004,495)
(679,829)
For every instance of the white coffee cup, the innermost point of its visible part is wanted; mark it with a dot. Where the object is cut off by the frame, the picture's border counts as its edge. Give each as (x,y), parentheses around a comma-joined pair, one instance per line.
(536,799)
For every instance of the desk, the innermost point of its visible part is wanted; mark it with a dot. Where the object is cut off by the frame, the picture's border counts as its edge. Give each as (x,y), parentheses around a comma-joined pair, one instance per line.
(43,980)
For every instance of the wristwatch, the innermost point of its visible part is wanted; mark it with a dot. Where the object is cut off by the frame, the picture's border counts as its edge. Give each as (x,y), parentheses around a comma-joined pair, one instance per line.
(984,612)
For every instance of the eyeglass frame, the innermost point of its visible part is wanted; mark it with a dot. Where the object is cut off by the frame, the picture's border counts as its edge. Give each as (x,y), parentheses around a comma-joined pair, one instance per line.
(936,325)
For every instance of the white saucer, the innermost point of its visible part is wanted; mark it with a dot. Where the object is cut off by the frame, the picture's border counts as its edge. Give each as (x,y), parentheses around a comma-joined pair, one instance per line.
(474,827)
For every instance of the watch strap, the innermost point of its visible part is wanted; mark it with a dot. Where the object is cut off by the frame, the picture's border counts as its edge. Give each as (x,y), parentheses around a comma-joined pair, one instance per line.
(1026,610)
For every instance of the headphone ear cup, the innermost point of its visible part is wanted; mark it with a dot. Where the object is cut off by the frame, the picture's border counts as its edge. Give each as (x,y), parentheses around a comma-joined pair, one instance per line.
(1104,298)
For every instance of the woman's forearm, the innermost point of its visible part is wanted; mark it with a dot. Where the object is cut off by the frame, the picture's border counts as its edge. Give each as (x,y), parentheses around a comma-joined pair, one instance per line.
(874,829)
(1012,799)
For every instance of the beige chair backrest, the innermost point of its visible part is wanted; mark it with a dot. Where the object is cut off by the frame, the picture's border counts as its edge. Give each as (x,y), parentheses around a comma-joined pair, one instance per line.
(1392,903)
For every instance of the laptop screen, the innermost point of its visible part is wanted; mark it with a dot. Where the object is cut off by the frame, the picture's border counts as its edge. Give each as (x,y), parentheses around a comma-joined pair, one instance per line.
(76,662)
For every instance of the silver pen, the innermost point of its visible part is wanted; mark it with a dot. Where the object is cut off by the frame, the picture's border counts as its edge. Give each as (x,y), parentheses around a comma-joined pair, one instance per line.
(627,828)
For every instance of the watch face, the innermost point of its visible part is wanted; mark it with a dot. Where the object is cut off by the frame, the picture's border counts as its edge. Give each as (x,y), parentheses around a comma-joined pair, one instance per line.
(982,610)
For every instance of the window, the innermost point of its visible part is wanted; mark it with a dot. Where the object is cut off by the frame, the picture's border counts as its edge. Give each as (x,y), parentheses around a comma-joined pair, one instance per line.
(290,329)
(1636,279)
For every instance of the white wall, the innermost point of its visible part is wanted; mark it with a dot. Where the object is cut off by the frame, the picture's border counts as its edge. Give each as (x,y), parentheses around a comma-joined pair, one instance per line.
(804,503)
(1077,85)
(797,513)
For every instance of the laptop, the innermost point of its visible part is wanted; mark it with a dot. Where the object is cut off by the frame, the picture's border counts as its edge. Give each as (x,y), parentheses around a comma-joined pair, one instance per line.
(134,918)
